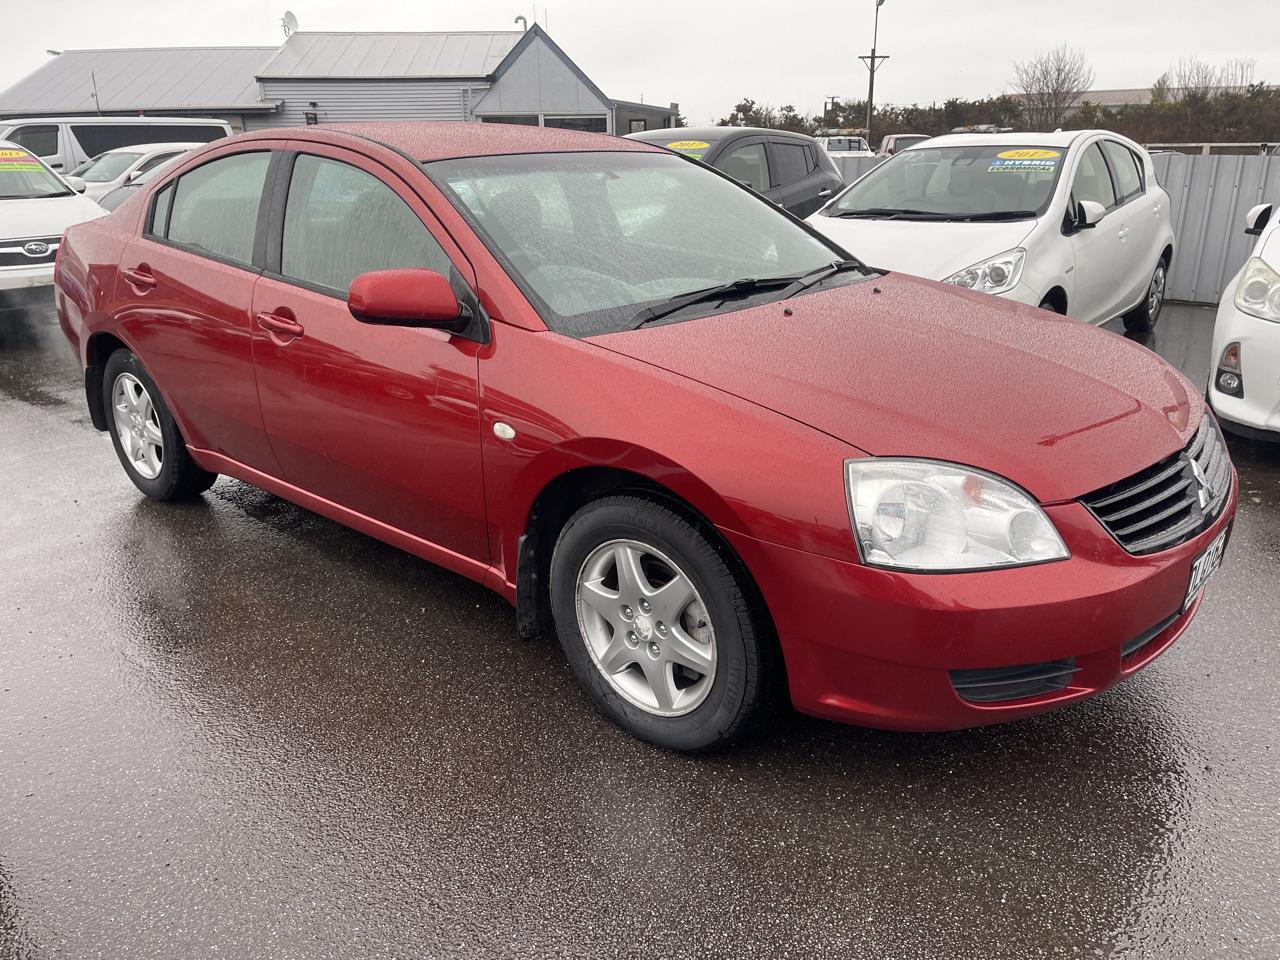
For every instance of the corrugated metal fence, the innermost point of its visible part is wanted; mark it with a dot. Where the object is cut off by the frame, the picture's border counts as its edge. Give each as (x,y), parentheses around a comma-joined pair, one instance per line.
(1209,197)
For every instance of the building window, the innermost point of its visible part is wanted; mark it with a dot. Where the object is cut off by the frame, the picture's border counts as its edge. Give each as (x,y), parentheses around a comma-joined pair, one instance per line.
(637,126)
(591,124)
(531,120)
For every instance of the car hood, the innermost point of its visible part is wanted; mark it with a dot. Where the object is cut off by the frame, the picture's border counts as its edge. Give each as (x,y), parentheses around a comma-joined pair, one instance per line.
(46,217)
(923,248)
(898,366)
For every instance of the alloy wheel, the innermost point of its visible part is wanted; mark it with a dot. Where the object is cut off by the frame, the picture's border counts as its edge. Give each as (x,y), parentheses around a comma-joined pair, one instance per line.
(137,426)
(1155,293)
(646,627)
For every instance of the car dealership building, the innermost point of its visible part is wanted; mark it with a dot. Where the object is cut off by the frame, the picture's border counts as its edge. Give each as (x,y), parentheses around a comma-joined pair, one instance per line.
(508,76)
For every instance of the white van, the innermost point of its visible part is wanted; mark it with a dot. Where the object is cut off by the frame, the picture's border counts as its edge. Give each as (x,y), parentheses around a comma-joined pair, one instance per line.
(64,143)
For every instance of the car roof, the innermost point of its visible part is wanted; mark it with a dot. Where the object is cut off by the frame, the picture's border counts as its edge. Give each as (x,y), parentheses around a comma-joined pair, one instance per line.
(153,147)
(666,134)
(427,140)
(14,121)
(1061,138)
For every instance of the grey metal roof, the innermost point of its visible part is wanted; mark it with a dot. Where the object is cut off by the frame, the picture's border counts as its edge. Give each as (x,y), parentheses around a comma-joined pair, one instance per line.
(143,78)
(315,56)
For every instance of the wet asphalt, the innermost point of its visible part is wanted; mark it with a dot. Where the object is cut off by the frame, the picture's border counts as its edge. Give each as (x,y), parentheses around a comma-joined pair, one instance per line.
(235,729)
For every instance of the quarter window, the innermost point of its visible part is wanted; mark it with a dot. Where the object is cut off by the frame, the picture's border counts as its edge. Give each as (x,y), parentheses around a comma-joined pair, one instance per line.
(215,207)
(747,164)
(1093,182)
(341,222)
(1125,165)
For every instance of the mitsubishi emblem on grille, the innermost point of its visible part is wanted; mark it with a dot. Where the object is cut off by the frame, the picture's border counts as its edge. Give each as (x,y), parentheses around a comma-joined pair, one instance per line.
(1203,490)
(35,248)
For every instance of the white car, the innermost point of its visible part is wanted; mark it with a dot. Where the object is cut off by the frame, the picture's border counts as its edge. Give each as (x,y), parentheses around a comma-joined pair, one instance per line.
(36,206)
(1072,222)
(845,146)
(114,168)
(1245,389)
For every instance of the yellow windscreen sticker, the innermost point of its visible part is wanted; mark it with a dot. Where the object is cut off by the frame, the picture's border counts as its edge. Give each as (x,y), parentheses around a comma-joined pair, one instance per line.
(1028,154)
(688,145)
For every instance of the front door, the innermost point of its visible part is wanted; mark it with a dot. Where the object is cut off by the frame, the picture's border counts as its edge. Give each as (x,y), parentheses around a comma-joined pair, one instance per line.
(1099,263)
(383,420)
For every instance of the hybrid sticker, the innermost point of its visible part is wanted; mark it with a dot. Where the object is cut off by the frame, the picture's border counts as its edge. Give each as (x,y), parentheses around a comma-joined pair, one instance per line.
(1025,161)
(691,148)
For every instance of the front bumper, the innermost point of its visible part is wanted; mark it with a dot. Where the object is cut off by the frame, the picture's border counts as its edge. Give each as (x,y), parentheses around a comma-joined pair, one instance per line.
(21,278)
(876,647)
(1257,413)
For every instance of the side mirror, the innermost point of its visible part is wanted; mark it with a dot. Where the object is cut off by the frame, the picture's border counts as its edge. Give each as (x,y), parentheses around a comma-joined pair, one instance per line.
(1088,213)
(410,297)
(76,184)
(133,175)
(1256,220)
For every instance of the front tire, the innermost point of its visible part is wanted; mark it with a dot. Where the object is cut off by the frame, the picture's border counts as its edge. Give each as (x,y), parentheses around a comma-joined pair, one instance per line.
(143,431)
(656,626)
(1146,315)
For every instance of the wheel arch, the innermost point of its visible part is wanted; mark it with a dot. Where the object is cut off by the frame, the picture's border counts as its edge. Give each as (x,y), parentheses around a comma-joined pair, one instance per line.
(97,349)
(1056,295)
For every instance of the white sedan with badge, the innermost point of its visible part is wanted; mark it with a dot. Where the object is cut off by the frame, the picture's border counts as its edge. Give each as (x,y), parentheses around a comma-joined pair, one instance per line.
(36,206)
(1072,222)
(1245,389)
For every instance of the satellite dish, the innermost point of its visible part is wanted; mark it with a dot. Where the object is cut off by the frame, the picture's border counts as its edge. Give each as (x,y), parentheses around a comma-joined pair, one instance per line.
(290,23)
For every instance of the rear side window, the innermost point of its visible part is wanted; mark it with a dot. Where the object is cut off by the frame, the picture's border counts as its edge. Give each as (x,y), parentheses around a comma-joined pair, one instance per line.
(340,222)
(40,139)
(214,208)
(96,138)
(153,162)
(747,164)
(1125,165)
(1092,180)
(791,163)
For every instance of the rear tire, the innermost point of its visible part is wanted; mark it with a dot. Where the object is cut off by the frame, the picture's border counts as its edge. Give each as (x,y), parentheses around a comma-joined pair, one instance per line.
(146,438)
(656,626)
(1146,315)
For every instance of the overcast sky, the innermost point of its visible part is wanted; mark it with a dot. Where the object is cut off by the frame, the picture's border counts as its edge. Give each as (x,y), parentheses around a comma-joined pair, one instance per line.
(708,54)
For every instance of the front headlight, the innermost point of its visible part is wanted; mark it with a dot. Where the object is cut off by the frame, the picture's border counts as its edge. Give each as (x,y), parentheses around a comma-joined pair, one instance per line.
(929,515)
(998,274)
(1258,292)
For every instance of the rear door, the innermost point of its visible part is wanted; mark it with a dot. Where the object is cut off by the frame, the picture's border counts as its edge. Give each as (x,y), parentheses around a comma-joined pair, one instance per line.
(183,293)
(798,182)
(1140,237)
(383,420)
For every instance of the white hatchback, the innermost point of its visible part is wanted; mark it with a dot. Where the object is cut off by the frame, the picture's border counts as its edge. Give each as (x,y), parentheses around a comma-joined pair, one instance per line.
(114,168)
(1072,222)
(1245,389)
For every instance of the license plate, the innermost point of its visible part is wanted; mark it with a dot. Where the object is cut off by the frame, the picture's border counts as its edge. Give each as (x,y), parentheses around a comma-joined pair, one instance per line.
(1205,566)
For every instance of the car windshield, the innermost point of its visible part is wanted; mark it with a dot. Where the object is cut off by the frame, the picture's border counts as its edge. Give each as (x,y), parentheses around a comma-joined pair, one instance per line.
(105,166)
(595,238)
(23,177)
(981,182)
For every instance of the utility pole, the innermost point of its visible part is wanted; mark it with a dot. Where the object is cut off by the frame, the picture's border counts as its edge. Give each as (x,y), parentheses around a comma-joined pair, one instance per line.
(872,63)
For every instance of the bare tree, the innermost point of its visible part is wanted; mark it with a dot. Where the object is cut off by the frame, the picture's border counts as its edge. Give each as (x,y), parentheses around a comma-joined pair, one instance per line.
(1050,84)
(1193,77)
(1237,73)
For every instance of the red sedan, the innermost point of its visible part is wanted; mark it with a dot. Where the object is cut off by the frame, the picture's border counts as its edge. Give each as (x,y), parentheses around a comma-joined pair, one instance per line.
(708,448)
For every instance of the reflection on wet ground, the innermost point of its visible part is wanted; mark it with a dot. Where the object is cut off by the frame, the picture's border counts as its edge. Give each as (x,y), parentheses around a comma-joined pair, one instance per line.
(234,728)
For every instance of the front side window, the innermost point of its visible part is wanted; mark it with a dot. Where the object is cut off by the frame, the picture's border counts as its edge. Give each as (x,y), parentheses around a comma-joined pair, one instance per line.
(1092,181)
(23,177)
(1125,165)
(39,138)
(105,167)
(633,230)
(152,162)
(341,222)
(214,208)
(981,182)
(748,164)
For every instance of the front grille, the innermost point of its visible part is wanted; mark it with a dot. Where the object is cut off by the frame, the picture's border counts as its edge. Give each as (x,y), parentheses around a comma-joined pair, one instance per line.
(1170,502)
(1013,683)
(12,254)
(1134,644)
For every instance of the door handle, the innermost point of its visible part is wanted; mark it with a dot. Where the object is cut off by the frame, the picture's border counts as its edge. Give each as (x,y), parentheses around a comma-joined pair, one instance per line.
(1124,232)
(274,323)
(140,276)
(824,192)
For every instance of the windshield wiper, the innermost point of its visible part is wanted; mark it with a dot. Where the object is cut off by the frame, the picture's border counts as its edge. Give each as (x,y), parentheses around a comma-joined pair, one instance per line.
(720,292)
(888,213)
(998,215)
(817,276)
